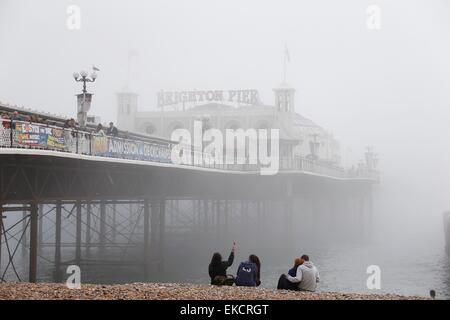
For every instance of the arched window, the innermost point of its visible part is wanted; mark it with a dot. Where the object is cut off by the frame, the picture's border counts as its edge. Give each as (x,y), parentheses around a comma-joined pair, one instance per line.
(148,128)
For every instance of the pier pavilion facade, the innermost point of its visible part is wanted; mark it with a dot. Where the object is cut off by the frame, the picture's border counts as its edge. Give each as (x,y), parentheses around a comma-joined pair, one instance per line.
(299,136)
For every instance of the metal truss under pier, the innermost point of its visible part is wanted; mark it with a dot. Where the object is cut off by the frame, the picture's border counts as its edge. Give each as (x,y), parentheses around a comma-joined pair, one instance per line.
(95,207)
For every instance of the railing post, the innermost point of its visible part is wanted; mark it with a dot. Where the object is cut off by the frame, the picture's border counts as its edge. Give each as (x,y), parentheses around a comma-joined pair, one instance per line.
(11,133)
(90,144)
(76,142)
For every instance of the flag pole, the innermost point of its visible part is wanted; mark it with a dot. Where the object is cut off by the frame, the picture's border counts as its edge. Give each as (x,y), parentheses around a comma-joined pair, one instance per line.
(284,67)
(128,71)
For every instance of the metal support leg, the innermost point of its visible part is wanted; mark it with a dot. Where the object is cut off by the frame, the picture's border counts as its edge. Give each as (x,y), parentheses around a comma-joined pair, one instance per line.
(289,221)
(113,223)
(162,229)
(33,243)
(78,234)
(102,224)
(225,219)
(41,225)
(369,216)
(206,213)
(57,274)
(24,238)
(88,225)
(153,228)
(218,226)
(361,217)
(1,235)
(146,237)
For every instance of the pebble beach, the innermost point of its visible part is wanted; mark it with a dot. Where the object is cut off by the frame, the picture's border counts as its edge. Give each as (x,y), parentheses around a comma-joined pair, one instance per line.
(172,291)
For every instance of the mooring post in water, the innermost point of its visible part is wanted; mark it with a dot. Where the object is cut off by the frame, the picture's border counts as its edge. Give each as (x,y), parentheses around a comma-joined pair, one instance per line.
(146,238)
(78,233)
(57,274)
(102,224)
(162,231)
(33,242)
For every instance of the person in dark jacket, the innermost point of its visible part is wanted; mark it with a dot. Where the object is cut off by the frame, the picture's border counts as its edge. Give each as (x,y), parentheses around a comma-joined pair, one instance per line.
(112,130)
(249,272)
(218,269)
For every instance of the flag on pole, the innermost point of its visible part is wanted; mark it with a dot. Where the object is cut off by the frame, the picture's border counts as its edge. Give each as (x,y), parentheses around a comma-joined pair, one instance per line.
(286,54)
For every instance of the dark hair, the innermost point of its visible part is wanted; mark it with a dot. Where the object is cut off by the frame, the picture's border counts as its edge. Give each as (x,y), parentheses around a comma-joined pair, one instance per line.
(305,257)
(216,258)
(253,258)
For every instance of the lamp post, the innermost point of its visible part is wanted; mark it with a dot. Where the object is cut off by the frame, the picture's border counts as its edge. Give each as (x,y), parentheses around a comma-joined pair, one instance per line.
(84,99)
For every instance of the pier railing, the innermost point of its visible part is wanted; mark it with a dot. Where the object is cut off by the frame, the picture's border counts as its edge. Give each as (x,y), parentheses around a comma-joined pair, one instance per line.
(25,135)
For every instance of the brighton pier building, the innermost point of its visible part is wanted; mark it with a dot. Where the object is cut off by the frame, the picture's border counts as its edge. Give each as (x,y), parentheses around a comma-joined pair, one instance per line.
(231,109)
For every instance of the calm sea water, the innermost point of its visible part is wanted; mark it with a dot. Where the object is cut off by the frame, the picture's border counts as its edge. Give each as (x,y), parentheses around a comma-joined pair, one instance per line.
(344,269)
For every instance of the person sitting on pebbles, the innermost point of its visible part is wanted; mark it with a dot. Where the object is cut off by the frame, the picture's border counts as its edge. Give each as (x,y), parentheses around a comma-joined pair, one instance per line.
(284,283)
(307,275)
(218,269)
(249,272)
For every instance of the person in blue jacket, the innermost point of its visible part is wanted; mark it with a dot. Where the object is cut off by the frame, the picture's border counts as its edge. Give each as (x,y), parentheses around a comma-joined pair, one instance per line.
(249,272)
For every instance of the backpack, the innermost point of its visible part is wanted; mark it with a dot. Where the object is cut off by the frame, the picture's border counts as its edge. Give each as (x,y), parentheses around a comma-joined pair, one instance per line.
(246,274)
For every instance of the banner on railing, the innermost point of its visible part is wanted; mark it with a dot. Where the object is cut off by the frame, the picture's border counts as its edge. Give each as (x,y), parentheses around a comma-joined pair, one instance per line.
(128,149)
(32,135)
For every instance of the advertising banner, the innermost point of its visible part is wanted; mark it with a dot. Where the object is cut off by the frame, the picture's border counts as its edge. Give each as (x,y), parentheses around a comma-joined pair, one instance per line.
(36,136)
(129,149)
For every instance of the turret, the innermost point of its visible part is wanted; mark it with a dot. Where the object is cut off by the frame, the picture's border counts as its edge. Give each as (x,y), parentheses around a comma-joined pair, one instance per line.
(126,110)
(284,98)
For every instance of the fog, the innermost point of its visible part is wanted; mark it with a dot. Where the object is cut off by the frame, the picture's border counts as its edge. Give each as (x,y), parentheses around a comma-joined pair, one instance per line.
(386,88)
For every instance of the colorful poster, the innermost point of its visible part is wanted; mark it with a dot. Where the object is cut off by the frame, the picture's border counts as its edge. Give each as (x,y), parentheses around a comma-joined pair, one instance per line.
(99,146)
(33,135)
(55,139)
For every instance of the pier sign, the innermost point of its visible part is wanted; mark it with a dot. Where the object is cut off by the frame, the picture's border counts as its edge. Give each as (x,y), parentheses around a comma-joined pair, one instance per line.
(106,146)
(166,98)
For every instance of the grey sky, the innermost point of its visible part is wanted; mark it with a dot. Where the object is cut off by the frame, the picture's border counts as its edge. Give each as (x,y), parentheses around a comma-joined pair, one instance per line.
(388,88)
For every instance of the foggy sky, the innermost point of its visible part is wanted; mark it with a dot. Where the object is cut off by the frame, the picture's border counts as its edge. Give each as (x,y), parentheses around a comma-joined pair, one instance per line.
(389,88)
